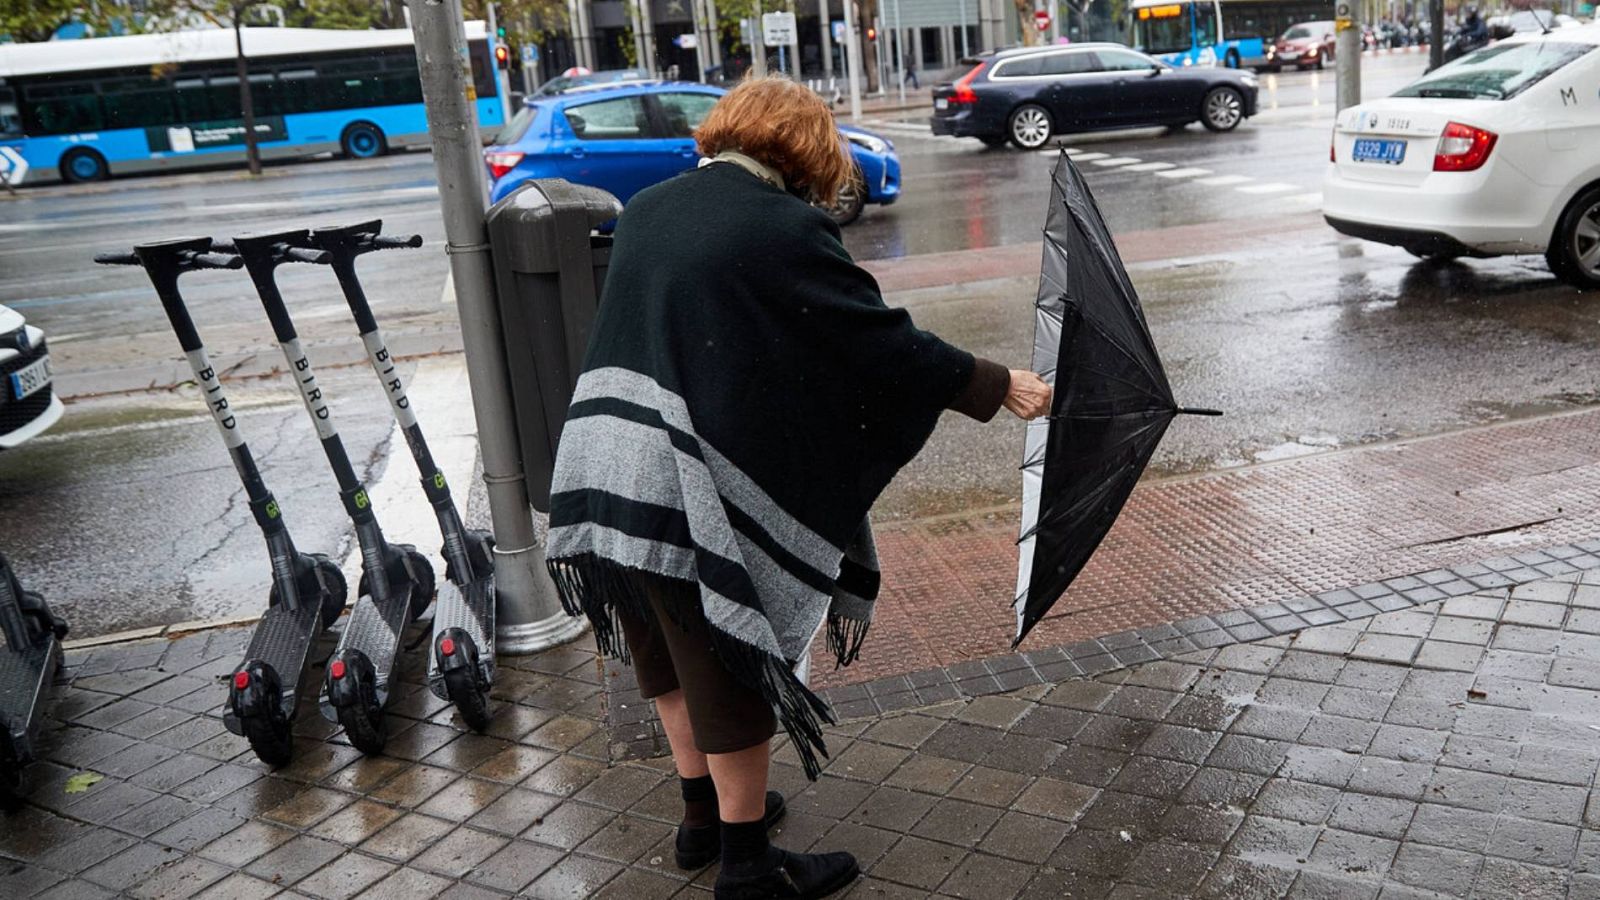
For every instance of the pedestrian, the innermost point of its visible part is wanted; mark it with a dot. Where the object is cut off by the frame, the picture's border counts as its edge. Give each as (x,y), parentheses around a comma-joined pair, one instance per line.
(745,397)
(910,61)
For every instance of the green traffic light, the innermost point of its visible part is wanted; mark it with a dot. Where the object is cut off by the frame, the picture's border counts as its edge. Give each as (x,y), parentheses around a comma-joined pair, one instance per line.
(500,31)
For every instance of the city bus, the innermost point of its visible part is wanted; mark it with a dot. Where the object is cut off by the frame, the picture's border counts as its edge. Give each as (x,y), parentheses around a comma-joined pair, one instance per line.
(84,110)
(1191,33)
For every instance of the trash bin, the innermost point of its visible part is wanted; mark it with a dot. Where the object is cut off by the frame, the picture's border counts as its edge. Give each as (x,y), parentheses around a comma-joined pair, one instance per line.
(549,267)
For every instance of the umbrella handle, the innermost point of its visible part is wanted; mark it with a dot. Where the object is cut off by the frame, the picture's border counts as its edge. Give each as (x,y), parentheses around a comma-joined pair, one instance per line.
(1197,411)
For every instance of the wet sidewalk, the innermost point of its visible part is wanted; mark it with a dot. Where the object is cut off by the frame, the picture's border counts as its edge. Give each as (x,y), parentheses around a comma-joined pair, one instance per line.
(1446,747)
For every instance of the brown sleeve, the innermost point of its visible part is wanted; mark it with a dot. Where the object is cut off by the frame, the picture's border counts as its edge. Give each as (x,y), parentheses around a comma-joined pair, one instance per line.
(985,391)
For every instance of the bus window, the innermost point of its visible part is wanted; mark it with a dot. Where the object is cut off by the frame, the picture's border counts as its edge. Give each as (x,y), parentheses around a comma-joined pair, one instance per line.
(61,109)
(136,102)
(483,73)
(10,119)
(1205,25)
(1163,29)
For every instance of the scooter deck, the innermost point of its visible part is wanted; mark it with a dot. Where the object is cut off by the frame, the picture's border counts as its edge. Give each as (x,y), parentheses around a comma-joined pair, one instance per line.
(282,640)
(376,633)
(25,677)
(470,609)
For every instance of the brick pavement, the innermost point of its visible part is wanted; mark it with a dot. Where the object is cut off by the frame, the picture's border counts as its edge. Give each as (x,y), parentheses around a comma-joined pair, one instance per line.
(1446,748)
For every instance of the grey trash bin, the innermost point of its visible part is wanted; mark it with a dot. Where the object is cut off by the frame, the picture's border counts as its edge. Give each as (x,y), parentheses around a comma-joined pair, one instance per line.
(549,269)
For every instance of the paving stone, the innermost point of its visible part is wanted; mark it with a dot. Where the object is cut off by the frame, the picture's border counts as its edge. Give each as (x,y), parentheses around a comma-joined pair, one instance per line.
(1026,838)
(1449,872)
(1386,817)
(991,787)
(1508,878)
(294,859)
(928,773)
(1101,854)
(460,851)
(919,863)
(1297,801)
(987,877)
(1174,868)
(181,877)
(957,822)
(573,876)
(1387,648)
(345,877)
(1353,854)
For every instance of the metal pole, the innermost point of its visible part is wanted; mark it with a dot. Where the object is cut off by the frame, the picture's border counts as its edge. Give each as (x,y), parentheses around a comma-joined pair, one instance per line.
(965,50)
(530,617)
(1436,43)
(697,16)
(825,19)
(252,152)
(1347,41)
(1055,21)
(852,59)
(900,52)
(502,77)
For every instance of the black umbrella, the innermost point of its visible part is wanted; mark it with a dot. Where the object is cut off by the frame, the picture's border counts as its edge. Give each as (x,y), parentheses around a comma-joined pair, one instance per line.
(1111,406)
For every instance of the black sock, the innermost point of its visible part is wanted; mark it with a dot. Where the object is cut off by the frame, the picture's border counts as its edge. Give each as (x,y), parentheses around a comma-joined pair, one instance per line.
(699,801)
(744,841)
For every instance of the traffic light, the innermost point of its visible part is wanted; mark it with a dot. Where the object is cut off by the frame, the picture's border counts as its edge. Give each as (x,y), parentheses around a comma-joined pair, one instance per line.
(872,34)
(500,32)
(502,56)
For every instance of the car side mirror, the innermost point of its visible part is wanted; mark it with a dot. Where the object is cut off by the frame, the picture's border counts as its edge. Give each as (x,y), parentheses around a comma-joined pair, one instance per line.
(1155,70)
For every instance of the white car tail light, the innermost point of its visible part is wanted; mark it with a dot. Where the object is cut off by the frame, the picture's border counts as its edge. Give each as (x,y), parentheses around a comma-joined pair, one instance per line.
(1463,148)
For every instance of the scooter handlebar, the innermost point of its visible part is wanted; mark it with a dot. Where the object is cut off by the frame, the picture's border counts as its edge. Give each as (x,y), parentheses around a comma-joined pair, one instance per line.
(396,242)
(306,255)
(116,259)
(216,261)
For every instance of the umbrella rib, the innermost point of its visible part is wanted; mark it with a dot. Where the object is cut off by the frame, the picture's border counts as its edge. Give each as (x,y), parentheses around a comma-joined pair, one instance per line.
(1111,340)
(1110,376)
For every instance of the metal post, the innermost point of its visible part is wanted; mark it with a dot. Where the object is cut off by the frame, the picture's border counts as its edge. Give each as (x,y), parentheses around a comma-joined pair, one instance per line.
(900,52)
(502,77)
(701,52)
(825,20)
(530,617)
(852,59)
(1347,43)
(252,149)
(1436,43)
(638,34)
(648,37)
(965,51)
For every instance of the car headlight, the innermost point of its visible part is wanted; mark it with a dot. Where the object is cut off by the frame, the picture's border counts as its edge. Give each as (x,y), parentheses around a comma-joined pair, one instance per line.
(1249,78)
(869,141)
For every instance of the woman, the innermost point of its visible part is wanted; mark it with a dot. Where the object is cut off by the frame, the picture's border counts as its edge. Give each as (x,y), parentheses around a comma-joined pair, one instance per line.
(745,397)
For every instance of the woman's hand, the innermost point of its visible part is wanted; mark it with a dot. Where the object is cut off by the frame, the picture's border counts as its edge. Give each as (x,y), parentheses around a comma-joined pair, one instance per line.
(1029,396)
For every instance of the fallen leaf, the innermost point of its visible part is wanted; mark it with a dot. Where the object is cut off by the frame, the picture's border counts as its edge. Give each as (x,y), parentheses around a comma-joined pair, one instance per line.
(80,782)
(1475,694)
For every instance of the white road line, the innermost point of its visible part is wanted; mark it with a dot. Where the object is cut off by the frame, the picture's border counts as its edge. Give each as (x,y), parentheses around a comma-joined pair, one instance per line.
(1183,173)
(1312,199)
(1271,187)
(1081,156)
(1150,167)
(1117,161)
(1220,180)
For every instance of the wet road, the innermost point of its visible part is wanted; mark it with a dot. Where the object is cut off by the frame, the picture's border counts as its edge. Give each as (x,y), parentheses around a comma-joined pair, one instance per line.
(126,515)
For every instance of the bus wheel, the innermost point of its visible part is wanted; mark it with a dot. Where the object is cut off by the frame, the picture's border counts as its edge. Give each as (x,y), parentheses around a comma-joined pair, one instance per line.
(363,140)
(1232,59)
(83,164)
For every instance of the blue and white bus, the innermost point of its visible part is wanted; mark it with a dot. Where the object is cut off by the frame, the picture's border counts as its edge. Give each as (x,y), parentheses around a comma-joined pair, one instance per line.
(85,110)
(1190,33)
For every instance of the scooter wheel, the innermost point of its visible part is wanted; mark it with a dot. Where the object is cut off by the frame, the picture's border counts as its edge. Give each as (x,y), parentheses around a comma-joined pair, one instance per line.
(423,585)
(470,702)
(273,742)
(363,720)
(334,590)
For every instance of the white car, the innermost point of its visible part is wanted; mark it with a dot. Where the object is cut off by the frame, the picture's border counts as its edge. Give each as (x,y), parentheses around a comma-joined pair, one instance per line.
(1494,154)
(28,405)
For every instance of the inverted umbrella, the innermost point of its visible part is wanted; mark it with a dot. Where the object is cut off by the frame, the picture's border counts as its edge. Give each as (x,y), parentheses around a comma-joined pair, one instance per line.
(1111,406)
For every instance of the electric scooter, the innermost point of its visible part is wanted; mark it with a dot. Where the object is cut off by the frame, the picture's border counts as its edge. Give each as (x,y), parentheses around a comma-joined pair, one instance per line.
(396,581)
(28,666)
(308,590)
(461,667)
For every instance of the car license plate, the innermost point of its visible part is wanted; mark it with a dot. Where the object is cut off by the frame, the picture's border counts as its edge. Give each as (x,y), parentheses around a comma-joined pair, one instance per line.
(30,379)
(941,103)
(1289,55)
(1391,153)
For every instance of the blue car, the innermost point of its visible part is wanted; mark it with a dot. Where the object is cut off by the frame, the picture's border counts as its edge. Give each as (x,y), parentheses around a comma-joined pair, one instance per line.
(625,137)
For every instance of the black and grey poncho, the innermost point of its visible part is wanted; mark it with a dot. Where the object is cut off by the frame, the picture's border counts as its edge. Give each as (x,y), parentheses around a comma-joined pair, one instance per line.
(745,397)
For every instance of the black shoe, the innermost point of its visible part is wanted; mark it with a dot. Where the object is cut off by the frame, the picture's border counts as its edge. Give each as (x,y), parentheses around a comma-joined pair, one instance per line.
(785,875)
(700,847)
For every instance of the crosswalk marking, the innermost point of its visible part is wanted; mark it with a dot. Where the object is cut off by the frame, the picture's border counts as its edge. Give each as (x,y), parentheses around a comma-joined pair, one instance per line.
(1150,167)
(1183,173)
(1312,199)
(1271,187)
(1222,180)
(1116,161)
(1080,156)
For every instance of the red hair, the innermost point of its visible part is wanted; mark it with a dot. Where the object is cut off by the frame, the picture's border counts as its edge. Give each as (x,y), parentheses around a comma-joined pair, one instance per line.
(783,125)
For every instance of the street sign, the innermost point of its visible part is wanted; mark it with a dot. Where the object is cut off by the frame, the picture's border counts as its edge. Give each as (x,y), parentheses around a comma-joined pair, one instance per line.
(1041,20)
(686,41)
(838,31)
(530,54)
(778,29)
